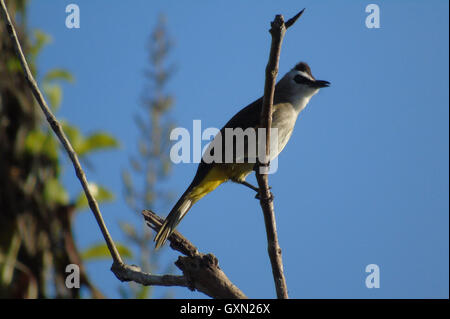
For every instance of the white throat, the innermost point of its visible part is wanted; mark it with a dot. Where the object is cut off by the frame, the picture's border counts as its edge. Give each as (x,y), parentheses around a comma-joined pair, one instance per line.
(290,91)
(299,102)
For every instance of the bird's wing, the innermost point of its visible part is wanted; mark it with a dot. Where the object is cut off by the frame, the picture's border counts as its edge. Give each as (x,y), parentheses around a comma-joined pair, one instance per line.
(245,118)
(249,116)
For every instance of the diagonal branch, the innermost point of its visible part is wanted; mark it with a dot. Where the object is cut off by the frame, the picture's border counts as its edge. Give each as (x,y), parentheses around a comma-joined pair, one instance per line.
(177,241)
(201,271)
(56,127)
(134,273)
(277,31)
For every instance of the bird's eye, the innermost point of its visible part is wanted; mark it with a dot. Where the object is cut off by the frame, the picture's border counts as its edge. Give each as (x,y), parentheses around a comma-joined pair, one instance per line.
(301,79)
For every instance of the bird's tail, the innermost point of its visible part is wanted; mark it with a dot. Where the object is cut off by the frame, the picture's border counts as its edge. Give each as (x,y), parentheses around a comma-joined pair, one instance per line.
(173,219)
(195,192)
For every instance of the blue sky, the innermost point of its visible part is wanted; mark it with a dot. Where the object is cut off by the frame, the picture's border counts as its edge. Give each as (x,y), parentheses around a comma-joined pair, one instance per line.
(364,178)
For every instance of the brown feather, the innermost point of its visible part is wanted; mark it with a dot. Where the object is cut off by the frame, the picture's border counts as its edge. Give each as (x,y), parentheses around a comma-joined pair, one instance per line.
(304,67)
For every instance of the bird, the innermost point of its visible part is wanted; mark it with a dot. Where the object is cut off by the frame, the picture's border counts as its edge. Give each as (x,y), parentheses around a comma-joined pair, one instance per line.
(292,93)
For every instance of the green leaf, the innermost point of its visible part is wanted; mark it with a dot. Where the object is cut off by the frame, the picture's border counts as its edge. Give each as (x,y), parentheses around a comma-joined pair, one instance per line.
(58,74)
(54,95)
(100,193)
(100,251)
(50,146)
(38,142)
(74,135)
(34,141)
(97,141)
(54,192)
(41,39)
(13,64)
(83,145)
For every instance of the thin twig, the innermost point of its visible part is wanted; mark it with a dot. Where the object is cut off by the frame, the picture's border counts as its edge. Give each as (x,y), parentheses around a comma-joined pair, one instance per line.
(134,273)
(277,31)
(294,19)
(56,127)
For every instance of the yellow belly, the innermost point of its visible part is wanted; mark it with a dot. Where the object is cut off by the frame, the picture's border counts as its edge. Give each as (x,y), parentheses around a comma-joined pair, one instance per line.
(218,175)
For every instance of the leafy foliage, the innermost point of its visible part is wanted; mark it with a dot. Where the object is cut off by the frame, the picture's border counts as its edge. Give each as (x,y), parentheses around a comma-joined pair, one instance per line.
(101,194)
(36,240)
(58,74)
(87,144)
(100,251)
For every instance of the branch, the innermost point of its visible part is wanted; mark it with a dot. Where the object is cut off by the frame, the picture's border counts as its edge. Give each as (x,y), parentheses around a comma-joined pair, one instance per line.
(56,127)
(201,271)
(134,273)
(277,31)
(122,271)
(177,241)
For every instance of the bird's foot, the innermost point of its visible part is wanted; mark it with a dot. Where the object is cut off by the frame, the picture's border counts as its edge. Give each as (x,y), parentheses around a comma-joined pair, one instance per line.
(270,198)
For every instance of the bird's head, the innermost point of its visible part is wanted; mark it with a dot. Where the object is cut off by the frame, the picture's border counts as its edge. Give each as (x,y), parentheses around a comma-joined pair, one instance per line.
(299,83)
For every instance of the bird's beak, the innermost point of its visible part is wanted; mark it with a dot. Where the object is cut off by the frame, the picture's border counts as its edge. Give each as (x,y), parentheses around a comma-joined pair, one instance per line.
(320,84)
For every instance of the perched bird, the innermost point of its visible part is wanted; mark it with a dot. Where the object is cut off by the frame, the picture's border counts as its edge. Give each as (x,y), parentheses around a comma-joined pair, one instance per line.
(292,94)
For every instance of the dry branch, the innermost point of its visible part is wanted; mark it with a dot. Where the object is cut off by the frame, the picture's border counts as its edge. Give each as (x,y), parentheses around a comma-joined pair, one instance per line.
(201,271)
(134,273)
(56,127)
(277,31)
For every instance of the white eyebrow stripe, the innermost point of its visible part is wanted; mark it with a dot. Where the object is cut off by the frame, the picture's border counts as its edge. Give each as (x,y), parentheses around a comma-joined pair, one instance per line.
(306,75)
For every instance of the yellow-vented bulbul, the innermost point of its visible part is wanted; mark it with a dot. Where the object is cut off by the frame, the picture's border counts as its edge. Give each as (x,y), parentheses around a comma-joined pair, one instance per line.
(292,94)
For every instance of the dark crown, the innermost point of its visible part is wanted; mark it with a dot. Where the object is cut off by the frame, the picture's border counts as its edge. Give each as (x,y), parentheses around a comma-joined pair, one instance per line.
(302,66)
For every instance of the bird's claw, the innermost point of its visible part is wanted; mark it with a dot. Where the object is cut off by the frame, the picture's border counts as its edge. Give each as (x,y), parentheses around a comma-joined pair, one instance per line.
(270,198)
